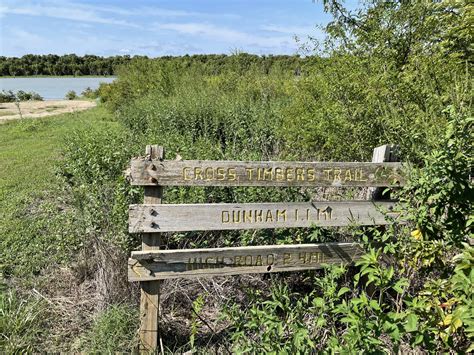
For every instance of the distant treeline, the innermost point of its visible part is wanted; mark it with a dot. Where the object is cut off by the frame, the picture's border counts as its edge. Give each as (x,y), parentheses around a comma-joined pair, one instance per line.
(71,64)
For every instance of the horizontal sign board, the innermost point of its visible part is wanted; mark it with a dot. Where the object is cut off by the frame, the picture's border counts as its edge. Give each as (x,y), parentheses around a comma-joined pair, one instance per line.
(168,264)
(265,173)
(225,216)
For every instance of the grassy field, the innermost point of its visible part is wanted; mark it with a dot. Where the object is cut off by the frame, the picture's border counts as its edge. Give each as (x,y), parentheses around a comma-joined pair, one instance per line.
(41,237)
(30,148)
(29,154)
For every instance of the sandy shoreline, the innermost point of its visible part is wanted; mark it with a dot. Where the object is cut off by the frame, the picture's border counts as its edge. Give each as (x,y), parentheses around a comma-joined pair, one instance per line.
(35,109)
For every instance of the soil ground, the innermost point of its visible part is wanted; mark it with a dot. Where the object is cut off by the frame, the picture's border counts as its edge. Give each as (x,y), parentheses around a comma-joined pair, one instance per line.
(35,109)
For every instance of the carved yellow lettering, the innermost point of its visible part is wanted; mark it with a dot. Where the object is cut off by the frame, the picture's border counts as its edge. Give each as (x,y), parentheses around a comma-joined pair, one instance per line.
(209,172)
(260,172)
(190,264)
(269,216)
(279,174)
(299,174)
(247,216)
(315,258)
(258,261)
(232,174)
(310,174)
(248,260)
(236,217)
(303,257)
(281,215)
(327,213)
(296,214)
(186,177)
(359,175)
(220,174)
(270,259)
(337,174)
(225,217)
(258,216)
(198,173)
(328,174)
(286,258)
(249,173)
(268,174)
(290,174)
(348,176)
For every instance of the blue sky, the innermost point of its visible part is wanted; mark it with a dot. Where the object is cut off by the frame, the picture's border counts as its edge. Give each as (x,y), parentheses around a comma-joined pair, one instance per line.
(157,28)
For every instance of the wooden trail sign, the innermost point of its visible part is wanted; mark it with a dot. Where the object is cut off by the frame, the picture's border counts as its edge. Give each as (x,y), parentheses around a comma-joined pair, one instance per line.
(147,172)
(152,264)
(227,216)
(168,264)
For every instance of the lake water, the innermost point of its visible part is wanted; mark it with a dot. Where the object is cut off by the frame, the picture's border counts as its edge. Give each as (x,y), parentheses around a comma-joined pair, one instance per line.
(54,87)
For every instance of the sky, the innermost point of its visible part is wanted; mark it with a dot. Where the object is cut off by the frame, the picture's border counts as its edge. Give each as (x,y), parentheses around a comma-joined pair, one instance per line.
(158,28)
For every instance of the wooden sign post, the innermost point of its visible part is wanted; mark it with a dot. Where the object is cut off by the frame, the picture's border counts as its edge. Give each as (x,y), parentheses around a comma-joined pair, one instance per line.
(151,264)
(150,291)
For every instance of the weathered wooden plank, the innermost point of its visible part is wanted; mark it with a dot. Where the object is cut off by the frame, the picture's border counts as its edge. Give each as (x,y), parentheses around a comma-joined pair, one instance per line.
(384,153)
(265,173)
(188,263)
(150,291)
(227,216)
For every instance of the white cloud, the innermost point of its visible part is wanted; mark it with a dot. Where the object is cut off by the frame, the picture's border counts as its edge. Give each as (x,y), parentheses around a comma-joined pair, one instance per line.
(154,11)
(234,37)
(66,11)
(95,13)
(153,31)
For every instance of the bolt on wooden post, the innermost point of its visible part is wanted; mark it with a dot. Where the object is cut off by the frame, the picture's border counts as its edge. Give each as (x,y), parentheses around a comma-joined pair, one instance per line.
(150,290)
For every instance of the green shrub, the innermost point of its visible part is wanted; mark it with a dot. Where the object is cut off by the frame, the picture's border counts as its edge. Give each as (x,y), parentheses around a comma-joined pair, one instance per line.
(71,95)
(21,323)
(88,93)
(10,96)
(114,330)
(407,291)
(93,166)
(7,96)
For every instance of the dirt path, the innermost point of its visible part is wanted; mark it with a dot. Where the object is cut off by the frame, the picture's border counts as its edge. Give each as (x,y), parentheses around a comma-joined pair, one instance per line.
(34,109)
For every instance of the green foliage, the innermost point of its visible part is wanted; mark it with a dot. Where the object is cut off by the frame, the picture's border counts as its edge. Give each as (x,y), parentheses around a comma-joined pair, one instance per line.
(39,225)
(71,95)
(52,64)
(28,96)
(21,323)
(441,195)
(114,330)
(88,93)
(7,96)
(463,289)
(20,95)
(197,306)
(93,166)
(274,325)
